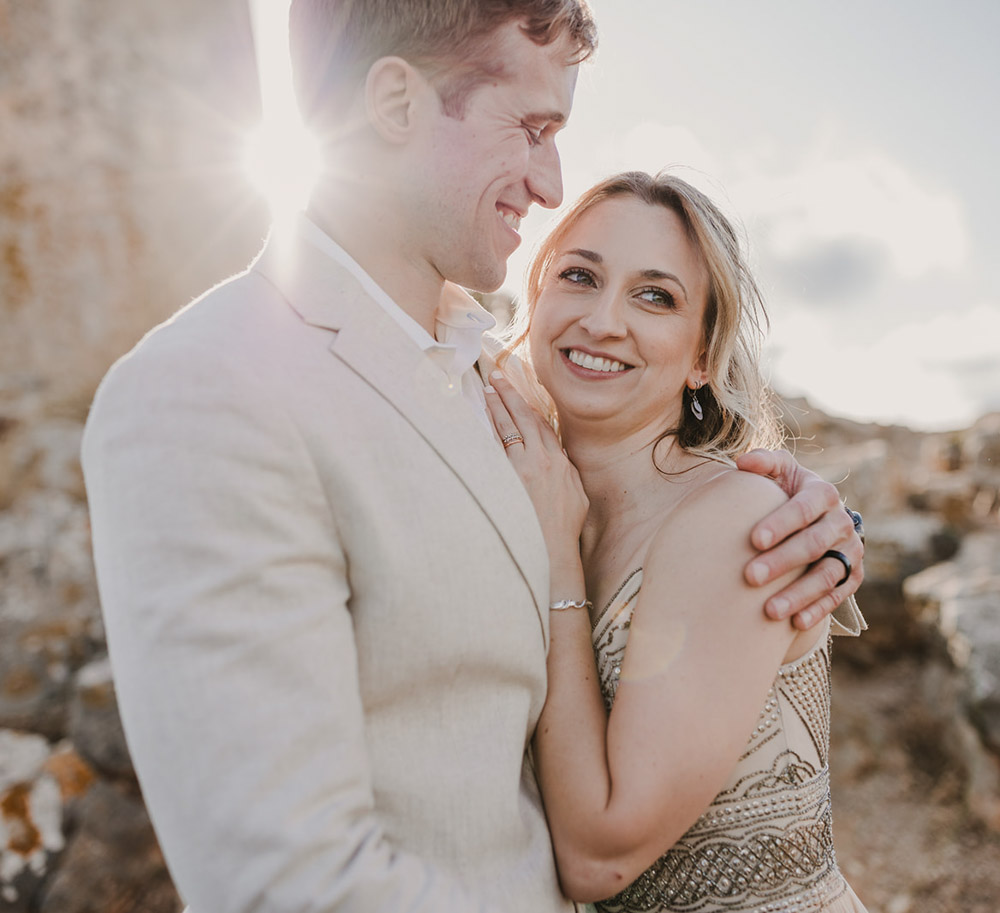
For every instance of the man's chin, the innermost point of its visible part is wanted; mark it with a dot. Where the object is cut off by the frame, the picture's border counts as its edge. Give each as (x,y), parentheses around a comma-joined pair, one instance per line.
(486,279)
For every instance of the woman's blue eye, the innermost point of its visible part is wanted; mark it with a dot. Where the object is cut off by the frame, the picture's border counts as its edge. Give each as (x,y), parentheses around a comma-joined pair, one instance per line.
(658,297)
(577,275)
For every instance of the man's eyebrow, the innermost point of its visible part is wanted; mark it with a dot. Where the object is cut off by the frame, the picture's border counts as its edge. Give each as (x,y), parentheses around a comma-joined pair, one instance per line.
(550,117)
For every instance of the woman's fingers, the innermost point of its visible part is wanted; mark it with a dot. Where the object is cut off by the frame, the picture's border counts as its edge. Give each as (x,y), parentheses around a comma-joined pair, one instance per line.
(535,429)
(506,428)
(551,480)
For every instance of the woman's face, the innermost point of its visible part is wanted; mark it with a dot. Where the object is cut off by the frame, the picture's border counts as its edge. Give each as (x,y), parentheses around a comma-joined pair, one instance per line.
(617,331)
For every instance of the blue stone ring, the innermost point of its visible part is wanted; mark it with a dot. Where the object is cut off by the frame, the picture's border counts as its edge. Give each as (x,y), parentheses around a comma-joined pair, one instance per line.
(859,526)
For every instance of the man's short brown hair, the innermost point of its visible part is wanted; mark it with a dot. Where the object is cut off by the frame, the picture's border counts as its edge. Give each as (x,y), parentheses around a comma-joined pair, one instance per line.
(334,42)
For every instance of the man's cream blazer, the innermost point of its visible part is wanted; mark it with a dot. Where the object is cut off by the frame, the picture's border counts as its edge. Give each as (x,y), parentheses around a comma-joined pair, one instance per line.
(325,593)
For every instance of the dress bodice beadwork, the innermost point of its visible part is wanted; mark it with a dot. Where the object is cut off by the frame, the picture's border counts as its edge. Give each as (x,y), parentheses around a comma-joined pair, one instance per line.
(766,841)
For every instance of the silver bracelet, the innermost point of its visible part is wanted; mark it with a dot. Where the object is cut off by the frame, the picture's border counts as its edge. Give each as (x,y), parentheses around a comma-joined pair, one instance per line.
(571,604)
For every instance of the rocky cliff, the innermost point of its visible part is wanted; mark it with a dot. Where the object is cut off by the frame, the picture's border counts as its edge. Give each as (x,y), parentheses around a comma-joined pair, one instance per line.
(121,194)
(121,198)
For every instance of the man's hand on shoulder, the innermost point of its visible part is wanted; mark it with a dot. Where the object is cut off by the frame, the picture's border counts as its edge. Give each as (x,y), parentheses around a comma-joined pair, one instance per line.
(806,531)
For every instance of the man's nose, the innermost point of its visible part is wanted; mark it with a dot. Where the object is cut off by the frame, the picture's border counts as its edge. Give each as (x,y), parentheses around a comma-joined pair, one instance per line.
(545,175)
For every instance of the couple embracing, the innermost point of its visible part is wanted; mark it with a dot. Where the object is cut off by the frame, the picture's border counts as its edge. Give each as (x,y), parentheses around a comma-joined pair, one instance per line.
(367,609)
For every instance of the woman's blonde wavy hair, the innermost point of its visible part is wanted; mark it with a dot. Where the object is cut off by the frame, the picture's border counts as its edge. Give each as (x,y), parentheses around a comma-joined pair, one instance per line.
(737,404)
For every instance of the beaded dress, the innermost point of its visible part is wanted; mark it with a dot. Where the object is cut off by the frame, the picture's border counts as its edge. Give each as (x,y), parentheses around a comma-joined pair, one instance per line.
(765,844)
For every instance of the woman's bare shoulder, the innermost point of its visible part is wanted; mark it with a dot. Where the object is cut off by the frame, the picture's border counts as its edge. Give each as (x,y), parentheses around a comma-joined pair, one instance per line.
(704,543)
(728,499)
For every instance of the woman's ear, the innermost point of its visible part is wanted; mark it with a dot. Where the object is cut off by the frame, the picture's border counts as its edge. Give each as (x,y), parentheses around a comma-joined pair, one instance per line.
(392,93)
(698,375)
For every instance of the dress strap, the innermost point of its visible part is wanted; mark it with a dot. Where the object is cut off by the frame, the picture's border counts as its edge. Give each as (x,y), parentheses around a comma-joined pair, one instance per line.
(614,598)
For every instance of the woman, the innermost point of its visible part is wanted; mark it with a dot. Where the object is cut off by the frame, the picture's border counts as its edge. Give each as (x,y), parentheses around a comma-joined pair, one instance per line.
(641,322)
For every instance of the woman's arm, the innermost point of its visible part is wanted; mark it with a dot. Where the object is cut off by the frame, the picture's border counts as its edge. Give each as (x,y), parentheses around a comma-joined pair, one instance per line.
(701,656)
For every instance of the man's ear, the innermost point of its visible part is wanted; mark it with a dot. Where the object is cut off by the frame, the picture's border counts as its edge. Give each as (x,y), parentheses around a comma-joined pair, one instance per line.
(394,91)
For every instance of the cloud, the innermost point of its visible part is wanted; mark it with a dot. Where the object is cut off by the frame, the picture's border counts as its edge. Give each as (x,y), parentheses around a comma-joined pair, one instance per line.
(852,201)
(931,374)
(649,146)
(830,223)
(829,272)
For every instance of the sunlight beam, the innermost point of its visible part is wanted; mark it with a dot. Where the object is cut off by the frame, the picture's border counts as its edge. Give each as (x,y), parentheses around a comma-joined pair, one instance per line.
(281,158)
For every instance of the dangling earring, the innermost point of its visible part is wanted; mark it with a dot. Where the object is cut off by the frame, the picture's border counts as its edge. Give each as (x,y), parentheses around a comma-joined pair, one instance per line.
(696,409)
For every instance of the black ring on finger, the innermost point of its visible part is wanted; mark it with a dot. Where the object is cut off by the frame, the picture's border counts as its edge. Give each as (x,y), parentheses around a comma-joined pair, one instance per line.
(843,559)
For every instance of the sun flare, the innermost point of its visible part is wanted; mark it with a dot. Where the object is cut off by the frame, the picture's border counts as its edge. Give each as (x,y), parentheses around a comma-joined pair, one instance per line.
(281,158)
(282,162)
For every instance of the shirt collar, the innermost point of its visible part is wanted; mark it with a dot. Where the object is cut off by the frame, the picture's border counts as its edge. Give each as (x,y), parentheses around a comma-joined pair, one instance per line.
(459,323)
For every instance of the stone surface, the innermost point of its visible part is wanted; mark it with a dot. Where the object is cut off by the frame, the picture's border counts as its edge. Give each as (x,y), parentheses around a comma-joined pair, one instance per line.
(960,601)
(95,727)
(30,817)
(121,198)
(50,621)
(121,192)
(981,446)
(113,861)
(901,819)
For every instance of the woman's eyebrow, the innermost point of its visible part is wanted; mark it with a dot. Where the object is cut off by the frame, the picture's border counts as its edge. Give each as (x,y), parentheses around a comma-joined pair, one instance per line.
(590,255)
(660,274)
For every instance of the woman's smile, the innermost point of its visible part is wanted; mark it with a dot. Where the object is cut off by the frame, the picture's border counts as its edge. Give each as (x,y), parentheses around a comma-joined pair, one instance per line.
(618,329)
(591,364)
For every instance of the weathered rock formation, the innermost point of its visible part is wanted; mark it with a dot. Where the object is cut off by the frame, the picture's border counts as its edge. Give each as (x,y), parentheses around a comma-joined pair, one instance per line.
(121,195)
(959,603)
(932,578)
(121,198)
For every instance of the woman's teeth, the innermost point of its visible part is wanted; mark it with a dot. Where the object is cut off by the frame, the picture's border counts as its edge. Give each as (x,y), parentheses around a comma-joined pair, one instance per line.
(595,363)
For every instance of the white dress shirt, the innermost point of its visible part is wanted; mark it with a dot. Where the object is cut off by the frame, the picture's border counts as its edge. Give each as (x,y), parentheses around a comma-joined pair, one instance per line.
(458,325)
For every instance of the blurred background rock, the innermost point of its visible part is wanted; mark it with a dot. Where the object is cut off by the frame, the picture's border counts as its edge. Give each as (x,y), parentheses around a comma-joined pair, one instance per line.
(121,198)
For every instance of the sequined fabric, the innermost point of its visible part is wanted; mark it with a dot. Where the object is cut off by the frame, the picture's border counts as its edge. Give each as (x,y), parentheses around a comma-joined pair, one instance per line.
(766,843)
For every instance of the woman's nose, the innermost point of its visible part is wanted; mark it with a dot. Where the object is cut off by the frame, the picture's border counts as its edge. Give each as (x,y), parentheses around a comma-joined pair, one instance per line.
(605,319)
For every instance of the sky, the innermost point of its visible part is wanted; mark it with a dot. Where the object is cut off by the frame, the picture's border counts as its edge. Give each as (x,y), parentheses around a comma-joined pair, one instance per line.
(856,144)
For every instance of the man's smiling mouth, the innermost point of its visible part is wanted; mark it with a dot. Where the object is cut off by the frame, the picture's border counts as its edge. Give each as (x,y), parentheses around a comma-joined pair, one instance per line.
(512,219)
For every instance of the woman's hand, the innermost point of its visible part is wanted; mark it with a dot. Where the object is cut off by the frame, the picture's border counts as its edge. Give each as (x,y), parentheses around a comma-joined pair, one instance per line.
(800,533)
(551,480)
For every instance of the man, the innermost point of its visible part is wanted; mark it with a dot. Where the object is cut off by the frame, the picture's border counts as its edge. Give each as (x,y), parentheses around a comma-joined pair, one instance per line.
(325,590)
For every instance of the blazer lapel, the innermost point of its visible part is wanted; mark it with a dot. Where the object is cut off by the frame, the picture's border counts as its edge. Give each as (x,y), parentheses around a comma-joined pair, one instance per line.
(374,346)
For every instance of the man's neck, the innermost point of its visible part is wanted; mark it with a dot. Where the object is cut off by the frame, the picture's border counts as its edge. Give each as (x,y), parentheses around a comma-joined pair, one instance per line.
(365,233)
